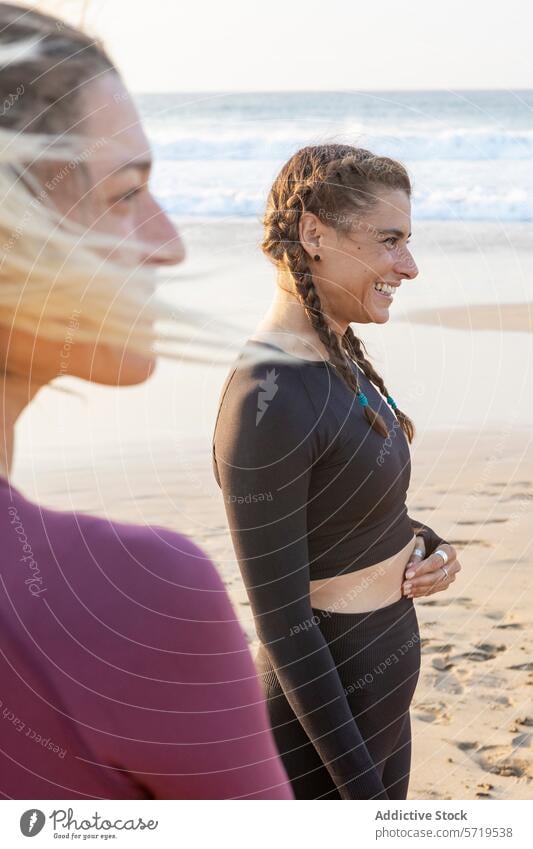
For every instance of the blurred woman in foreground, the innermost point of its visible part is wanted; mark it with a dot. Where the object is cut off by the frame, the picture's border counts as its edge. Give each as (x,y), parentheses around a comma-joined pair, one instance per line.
(124,672)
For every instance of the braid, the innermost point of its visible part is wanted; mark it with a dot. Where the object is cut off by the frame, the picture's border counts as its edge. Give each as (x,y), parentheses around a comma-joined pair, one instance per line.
(357,351)
(311,302)
(296,260)
(317,179)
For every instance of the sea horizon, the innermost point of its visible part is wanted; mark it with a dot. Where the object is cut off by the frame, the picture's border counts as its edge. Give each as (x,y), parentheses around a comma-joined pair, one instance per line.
(470,153)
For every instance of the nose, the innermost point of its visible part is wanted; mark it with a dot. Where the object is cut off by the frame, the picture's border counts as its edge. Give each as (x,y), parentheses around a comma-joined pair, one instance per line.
(405,265)
(162,237)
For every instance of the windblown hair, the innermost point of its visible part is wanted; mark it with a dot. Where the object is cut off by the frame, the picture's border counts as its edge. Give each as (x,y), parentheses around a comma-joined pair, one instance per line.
(339,184)
(52,268)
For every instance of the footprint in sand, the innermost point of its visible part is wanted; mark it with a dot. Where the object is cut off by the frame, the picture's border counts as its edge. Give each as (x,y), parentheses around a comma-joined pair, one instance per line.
(463,601)
(432,712)
(462,543)
(495,614)
(442,663)
(498,760)
(505,701)
(490,648)
(481,652)
(448,682)
(481,522)
(525,720)
(476,656)
(511,483)
(465,746)
(482,790)
(523,667)
(434,794)
(510,626)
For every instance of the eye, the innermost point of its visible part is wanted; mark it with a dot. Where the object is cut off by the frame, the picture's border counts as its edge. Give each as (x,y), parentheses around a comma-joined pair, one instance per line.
(393,241)
(129,195)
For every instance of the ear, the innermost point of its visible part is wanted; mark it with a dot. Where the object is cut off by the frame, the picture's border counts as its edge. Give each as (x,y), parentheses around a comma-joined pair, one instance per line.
(310,232)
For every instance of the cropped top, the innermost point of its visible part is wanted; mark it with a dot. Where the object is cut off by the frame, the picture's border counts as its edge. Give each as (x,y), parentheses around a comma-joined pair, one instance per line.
(292,445)
(310,491)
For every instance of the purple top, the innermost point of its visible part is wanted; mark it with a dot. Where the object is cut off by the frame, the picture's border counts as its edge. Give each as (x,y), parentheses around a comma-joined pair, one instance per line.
(124,672)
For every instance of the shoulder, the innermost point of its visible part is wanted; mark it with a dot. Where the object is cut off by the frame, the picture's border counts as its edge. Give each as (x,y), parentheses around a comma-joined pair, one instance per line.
(160,560)
(99,553)
(264,387)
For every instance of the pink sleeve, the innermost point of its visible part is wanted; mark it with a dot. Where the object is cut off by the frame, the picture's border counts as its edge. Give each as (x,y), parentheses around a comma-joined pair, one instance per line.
(203,732)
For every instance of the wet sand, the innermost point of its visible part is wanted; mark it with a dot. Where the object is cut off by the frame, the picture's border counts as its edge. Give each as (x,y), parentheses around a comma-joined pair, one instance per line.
(516,318)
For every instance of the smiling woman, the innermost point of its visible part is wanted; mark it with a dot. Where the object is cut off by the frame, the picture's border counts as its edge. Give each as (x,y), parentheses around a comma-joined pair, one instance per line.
(340,239)
(325,560)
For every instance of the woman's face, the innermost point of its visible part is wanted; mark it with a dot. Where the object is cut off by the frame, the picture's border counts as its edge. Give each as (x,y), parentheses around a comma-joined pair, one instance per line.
(360,270)
(116,200)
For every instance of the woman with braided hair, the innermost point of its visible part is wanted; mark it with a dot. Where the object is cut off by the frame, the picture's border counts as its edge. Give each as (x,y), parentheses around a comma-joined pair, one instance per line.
(312,455)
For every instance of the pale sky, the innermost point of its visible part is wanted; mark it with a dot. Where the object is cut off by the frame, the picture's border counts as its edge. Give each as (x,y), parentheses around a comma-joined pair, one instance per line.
(210,45)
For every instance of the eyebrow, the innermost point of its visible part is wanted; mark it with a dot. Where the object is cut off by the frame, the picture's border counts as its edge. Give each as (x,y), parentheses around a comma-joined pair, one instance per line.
(140,164)
(394,232)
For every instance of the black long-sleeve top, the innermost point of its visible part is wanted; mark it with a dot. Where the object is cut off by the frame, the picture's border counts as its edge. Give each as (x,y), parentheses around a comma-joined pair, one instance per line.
(310,491)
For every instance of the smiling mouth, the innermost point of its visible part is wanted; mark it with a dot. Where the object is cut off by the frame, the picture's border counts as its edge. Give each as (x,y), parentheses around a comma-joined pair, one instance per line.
(385,289)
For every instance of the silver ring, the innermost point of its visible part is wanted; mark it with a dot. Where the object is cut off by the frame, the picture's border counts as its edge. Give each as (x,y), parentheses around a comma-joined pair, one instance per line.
(418,552)
(442,554)
(444,569)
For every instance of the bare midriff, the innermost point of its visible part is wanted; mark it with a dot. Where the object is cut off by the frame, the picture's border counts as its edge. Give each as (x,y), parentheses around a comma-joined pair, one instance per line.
(367,589)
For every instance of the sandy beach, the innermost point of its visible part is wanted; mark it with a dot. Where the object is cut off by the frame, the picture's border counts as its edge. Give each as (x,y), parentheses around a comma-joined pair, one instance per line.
(515,318)
(143,455)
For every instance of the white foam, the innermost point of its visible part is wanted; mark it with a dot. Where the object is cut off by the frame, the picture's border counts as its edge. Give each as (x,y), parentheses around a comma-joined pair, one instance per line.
(209,143)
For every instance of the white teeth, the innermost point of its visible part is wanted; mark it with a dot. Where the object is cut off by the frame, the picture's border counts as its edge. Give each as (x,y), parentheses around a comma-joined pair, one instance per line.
(384,287)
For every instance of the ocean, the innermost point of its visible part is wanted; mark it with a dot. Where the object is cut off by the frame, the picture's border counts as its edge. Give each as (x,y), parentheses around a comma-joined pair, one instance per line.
(470,154)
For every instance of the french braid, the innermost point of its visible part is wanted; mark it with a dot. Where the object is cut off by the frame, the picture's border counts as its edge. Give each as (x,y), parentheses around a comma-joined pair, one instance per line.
(326,179)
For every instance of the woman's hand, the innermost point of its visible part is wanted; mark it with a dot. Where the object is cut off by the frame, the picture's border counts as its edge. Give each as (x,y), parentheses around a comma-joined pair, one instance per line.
(428,574)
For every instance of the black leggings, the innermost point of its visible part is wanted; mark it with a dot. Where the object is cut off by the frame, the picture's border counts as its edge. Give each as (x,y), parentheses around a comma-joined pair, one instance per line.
(377,655)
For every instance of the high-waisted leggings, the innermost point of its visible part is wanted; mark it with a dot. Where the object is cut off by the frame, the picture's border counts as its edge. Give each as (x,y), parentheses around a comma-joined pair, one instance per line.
(377,655)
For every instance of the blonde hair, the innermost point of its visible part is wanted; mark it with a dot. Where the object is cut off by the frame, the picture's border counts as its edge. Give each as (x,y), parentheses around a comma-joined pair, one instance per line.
(52,268)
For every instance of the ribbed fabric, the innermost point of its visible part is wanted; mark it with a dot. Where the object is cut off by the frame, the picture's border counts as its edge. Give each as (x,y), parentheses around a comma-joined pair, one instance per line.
(377,656)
